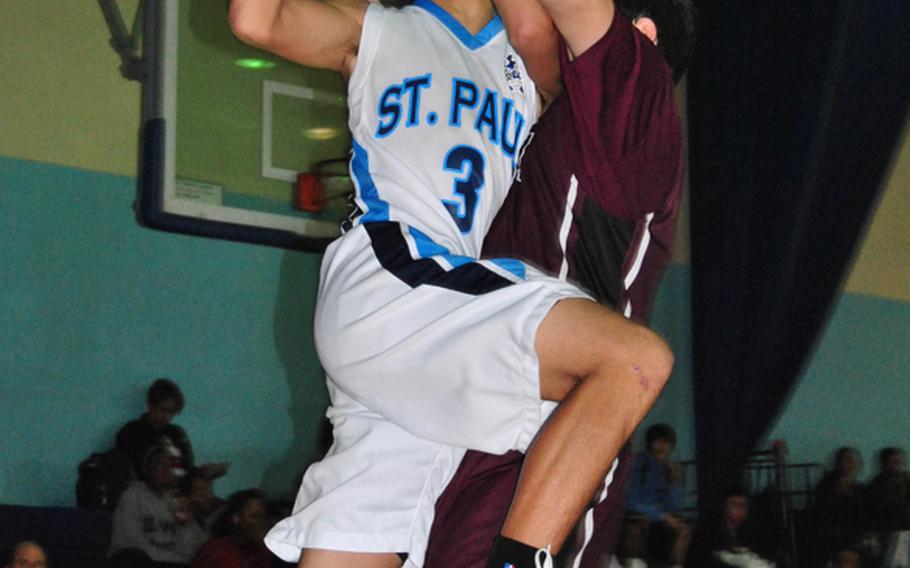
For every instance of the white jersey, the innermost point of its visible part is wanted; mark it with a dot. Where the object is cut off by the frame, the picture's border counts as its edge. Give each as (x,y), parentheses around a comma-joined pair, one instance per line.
(426,352)
(438,116)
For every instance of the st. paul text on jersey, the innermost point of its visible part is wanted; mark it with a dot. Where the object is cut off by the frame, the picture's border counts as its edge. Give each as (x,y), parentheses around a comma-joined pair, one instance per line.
(490,112)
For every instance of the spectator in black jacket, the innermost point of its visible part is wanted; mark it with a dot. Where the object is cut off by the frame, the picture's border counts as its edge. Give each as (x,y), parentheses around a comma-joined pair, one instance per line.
(889,506)
(837,515)
(725,537)
(155,428)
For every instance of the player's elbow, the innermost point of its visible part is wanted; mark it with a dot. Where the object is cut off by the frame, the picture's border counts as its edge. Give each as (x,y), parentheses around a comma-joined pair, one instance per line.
(528,35)
(249,24)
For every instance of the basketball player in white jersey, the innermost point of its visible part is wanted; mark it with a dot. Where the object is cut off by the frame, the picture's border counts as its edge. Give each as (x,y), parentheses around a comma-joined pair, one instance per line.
(428,351)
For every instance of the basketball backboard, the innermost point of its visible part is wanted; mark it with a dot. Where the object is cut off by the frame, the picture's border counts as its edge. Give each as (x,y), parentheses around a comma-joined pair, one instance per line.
(226,130)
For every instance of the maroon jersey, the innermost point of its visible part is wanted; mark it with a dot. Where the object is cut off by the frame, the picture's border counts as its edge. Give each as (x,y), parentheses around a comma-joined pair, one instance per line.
(595,201)
(598,189)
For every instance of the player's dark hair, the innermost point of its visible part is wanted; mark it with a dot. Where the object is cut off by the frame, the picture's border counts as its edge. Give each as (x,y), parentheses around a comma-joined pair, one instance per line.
(675,20)
(660,432)
(164,389)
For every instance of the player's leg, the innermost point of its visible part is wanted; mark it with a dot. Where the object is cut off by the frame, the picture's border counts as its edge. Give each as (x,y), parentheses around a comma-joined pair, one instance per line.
(319,558)
(600,526)
(370,498)
(471,510)
(473,507)
(607,371)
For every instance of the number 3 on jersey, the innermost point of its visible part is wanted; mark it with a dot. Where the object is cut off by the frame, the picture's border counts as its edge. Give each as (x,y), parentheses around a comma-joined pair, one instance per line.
(467,164)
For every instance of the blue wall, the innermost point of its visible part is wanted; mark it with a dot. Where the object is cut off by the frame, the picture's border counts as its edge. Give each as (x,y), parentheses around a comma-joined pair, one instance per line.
(93,308)
(856,389)
(672,317)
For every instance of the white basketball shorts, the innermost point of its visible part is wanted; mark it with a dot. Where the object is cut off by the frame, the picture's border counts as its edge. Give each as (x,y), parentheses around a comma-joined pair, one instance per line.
(425,353)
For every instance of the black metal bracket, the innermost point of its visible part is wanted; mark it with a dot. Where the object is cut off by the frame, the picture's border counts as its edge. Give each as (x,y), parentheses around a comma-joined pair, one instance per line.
(133,65)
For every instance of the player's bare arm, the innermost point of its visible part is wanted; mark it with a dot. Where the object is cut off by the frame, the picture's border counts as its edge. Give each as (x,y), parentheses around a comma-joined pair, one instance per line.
(534,37)
(581,22)
(314,33)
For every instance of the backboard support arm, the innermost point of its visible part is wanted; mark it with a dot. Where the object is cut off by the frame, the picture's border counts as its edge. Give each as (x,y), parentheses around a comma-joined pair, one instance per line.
(125,42)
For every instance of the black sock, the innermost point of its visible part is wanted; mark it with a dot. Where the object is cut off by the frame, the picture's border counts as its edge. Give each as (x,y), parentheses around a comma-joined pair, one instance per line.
(511,553)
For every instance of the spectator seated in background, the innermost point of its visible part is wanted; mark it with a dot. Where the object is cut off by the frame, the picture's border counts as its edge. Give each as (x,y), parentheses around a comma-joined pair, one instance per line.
(889,508)
(837,515)
(846,559)
(154,428)
(27,554)
(652,528)
(149,528)
(237,534)
(201,501)
(725,537)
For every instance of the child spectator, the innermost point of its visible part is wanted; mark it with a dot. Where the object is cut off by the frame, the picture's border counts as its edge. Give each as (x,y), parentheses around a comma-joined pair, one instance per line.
(655,494)
(148,527)
(237,535)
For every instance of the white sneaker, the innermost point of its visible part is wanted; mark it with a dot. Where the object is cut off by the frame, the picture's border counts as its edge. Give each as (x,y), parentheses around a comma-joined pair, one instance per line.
(634,563)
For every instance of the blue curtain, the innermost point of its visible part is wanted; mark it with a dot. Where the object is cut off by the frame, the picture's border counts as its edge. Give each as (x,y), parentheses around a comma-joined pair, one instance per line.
(795,111)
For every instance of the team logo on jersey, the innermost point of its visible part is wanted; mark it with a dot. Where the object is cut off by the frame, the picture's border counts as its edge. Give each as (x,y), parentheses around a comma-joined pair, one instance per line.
(513,75)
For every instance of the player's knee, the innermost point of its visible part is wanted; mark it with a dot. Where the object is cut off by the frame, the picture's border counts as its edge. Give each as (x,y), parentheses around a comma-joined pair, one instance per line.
(661,358)
(651,360)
